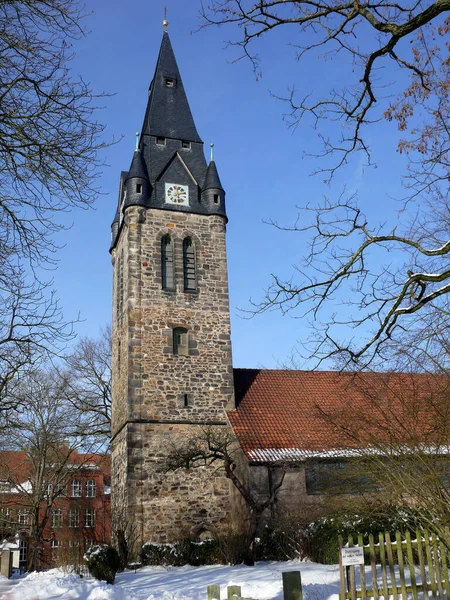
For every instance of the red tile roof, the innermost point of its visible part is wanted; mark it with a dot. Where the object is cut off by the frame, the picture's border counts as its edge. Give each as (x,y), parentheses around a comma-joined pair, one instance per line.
(287,414)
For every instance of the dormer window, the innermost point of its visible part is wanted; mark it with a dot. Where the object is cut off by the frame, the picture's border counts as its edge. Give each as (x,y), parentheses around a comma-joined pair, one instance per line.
(139,188)
(161,140)
(216,198)
(185,144)
(170,82)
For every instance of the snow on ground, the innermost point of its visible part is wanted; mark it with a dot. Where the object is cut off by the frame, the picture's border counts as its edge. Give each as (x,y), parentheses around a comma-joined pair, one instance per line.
(261,582)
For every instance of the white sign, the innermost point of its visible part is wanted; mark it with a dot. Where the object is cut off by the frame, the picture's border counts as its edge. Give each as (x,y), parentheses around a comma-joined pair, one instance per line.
(352,556)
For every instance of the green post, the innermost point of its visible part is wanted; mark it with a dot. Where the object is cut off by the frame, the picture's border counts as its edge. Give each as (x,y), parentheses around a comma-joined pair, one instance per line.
(233,592)
(213,592)
(292,585)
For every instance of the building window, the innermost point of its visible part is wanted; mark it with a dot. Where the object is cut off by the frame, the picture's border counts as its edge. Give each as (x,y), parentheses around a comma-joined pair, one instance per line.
(89,517)
(180,341)
(4,516)
(74,517)
(91,488)
(185,144)
(190,283)
(57,518)
(139,188)
(5,486)
(170,81)
(55,544)
(167,266)
(216,198)
(23,552)
(49,490)
(75,488)
(161,141)
(185,400)
(22,517)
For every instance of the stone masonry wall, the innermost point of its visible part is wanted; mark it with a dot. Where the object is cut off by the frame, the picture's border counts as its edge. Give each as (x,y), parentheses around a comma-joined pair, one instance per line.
(150,382)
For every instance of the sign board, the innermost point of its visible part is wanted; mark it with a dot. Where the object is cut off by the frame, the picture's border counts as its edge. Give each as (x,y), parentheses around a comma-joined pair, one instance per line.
(352,556)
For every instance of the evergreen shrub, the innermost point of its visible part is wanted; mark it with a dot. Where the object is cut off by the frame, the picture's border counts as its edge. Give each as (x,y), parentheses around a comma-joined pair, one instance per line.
(321,536)
(103,562)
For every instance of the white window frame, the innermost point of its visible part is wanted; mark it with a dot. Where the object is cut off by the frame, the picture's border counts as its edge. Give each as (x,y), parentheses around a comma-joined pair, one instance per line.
(90,488)
(74,518)
(22,517)
(57,518)
(89,518)
(76,488)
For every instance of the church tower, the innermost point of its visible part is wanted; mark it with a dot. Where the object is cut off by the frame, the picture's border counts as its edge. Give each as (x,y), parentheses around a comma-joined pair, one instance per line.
(172,367)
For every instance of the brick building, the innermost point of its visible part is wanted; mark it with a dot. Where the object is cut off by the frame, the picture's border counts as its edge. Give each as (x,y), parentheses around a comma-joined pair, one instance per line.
(74,516)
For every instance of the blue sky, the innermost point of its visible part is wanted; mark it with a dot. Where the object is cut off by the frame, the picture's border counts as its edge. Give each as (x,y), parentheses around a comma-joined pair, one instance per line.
(262,163)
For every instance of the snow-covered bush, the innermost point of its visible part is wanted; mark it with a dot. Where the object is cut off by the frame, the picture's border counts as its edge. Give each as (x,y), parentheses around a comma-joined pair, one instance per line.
(158,554)
(103,562)
(185,552)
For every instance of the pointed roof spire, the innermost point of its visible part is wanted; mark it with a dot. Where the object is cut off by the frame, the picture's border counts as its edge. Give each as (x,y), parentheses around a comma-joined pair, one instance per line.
(137,167)
(168,114)
(212,179)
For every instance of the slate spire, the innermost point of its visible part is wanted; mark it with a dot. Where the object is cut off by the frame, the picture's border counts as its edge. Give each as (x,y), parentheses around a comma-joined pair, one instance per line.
(168,114)
(169,152)
(212,179)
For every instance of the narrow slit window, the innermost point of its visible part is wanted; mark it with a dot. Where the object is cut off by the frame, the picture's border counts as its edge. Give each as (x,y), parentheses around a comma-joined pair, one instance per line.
(139,188)
(167,266)
(216,198)
(185,400)
(190,279)
(180,341)
(161,140)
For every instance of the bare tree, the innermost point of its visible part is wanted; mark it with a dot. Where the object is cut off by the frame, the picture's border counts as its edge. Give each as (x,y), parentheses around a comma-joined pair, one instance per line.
(124,531)
(218,446)
(49,137)
(394,432)
(384,279)
(89,381)
(49,144)
(31,329)
(46,433)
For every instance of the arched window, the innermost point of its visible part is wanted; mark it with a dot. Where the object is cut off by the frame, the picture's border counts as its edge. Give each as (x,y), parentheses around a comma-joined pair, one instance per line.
(167,271)
(180,341)
(190,279)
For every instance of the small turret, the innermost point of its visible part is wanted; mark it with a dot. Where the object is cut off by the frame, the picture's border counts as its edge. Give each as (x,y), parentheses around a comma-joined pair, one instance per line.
(137,184)
(213,194)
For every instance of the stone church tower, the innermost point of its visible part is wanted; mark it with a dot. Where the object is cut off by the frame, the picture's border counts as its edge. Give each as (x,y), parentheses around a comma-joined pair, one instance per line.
(172,367)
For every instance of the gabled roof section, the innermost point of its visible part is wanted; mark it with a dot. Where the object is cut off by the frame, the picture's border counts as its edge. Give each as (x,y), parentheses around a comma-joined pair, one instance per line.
(168,114)
(287,415)
(177,164)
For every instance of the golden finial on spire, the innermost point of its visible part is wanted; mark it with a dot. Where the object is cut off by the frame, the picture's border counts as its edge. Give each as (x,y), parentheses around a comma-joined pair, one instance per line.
(165,22)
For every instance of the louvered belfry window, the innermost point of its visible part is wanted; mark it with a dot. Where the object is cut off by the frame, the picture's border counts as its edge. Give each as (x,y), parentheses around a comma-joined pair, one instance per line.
(167,270)
(190,280)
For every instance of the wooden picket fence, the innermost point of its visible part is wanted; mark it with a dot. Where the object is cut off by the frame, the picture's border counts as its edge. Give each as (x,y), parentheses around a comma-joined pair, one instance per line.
(401,568)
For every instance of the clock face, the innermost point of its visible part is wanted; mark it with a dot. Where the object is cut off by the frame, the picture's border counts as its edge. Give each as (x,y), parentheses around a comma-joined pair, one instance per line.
(177,194)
